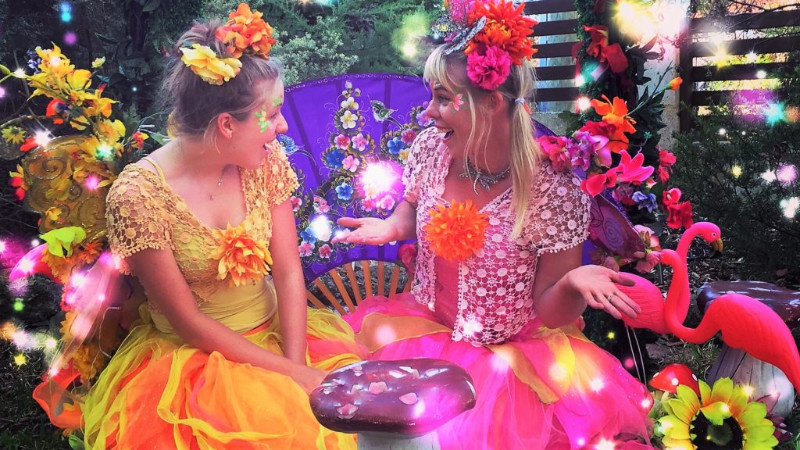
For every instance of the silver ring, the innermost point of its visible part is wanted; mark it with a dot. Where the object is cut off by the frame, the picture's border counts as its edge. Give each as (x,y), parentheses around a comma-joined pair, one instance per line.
(610,296)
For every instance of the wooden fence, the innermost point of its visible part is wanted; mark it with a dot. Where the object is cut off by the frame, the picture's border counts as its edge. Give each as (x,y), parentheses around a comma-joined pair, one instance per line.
(744,37)
(555,36)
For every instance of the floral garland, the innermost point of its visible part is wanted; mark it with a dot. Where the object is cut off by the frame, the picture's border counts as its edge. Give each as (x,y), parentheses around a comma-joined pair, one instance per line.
(245,31)
(493,34)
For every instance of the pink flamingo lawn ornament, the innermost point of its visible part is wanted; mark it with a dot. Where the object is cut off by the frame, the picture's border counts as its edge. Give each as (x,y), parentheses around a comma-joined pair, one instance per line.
(745,322)
(648,296)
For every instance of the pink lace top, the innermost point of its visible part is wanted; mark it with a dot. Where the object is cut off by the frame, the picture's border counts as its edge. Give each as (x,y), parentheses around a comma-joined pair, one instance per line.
(494,299)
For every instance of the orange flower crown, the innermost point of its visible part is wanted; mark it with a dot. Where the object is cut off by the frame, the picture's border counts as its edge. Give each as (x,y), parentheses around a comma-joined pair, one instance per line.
(494,34)
(456,232)
(244,32)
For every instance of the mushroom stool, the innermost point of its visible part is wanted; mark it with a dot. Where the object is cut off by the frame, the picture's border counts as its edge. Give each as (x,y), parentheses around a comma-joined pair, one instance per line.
(393,404)
(769,383)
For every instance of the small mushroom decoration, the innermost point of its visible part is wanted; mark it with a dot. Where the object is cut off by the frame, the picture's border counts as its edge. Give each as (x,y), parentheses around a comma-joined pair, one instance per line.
(768,383)
(409,397)
(674,375)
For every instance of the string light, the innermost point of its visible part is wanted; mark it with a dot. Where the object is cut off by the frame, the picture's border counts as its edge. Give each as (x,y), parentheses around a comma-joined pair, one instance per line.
(786,174)
(18,305)
(20,359)
(774,113)
(2,92)
(789,207)
(752,57)
(42,137)
(321,228)
(761,74)
(20,73)
(70,38)
(584,103)
(66,12)
(736,171)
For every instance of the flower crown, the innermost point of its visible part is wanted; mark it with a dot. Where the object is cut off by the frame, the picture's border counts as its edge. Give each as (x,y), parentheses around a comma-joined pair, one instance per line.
(492,33)
(246,31)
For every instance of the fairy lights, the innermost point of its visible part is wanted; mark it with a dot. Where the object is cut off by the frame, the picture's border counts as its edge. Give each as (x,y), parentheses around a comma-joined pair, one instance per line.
(736,171)
(790,206)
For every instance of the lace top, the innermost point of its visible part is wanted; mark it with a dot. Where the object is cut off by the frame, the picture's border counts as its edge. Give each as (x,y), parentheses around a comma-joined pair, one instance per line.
(144,213)
(494,286)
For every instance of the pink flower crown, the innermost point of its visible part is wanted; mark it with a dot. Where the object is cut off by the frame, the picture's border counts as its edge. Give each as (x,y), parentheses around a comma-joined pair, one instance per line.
(494,34)
(245,31)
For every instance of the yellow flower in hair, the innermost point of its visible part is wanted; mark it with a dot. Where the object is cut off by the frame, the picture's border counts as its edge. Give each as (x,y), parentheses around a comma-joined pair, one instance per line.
(240,256)
(456,232)
(208,66)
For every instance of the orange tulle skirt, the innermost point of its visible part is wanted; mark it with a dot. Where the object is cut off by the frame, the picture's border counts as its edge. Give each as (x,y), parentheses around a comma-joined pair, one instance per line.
(157,392)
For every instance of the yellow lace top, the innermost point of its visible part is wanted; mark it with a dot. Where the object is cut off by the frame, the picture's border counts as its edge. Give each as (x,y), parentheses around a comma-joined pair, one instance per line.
(144,213)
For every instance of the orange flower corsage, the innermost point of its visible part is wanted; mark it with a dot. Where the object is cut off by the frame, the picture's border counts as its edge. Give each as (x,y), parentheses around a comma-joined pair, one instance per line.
(246,30)
(240,256)
(456,232)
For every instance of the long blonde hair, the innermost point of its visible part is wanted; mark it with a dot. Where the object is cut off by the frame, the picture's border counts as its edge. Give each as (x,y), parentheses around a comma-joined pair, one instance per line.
(521,83)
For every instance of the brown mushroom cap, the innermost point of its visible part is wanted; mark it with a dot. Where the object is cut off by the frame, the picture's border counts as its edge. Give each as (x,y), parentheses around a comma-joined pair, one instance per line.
(785,302)
(410,397)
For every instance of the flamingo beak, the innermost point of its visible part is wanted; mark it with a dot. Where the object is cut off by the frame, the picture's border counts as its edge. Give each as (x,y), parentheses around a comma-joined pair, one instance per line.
(717,245)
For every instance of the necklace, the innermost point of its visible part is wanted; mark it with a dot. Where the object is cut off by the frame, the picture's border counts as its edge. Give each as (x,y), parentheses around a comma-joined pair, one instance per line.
(486,179)
(219,185)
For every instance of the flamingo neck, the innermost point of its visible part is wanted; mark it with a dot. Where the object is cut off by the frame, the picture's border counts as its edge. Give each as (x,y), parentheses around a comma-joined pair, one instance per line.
(676,305)
(686,241)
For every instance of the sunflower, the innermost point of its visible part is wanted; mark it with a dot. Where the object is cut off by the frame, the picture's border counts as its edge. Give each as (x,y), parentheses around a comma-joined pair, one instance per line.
(720,418)
(14,135)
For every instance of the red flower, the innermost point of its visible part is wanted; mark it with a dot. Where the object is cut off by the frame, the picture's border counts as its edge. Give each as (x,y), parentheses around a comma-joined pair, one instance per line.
(554,148)
(595,184)
(29,145)
(56,109)
(616,58)
(671,197)
(679,215)
(599,36)
(675,83)
(600,50)
(617,141)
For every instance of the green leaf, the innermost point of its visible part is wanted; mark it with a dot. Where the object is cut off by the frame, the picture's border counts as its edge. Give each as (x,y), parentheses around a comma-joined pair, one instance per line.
(151,5)
(62,239)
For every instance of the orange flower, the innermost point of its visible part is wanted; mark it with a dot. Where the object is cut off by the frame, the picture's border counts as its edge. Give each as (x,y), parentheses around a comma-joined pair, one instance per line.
(675,83)
(240,256)
(17,180)
(456,232)
(506,27)
(246,29)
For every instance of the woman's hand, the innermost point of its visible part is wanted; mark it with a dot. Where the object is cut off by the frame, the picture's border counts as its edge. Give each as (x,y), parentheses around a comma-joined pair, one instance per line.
(368,230)
(307,377)
(598,287)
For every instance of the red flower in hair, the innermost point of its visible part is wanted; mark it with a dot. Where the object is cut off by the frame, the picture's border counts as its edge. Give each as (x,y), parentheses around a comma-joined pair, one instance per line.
(506,27)
(246,30)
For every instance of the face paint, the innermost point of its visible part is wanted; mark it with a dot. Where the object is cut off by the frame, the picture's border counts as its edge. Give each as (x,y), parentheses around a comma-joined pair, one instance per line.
(263,123)
(277,101)
(458,101)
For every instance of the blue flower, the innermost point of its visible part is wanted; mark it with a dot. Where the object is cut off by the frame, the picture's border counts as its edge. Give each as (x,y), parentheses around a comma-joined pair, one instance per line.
(34,61)
(395,145)
(288,143)
(645,201)
(344,191)
(334,158)
(307,235)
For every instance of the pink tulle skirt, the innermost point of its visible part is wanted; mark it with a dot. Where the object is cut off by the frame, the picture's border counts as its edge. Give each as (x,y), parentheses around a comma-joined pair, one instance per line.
(544,389)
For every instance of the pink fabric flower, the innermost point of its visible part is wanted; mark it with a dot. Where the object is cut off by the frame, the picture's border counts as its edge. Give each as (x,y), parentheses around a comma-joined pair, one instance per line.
(305,249)
(595,184)
(342,141)
(351,163)
(325,251)
(297,202)
(646,265)
(555,149)
(359,143)
(408,136)
(671,196)
(488,67)
(631,170)
(386,203)
(321,205)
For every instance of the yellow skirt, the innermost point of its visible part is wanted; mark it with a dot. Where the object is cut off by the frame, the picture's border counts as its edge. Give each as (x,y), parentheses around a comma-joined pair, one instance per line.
(157,392)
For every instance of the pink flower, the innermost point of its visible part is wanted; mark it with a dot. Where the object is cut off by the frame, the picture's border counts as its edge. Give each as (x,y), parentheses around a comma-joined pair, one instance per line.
(325,251)
(611,263)
(342,141)
(458,101)
(321,205)
(650,260)
(359,143)
(408,136)
(555,149)
(351,163)
(631,170)
(368,204)
(422,117)
(297,202)
(305,249)
(488,67)
(386,203)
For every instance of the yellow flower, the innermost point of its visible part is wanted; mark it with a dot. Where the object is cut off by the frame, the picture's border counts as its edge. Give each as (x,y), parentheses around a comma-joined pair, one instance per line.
(208,66)
(14,135)
(456,232)
(240,256)
(721,417)
(97,63)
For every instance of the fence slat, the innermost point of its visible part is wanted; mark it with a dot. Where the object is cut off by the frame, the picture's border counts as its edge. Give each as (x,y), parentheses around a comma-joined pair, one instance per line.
(735,72)
(745,46)
(549,73)
(554,50)
(565,94)
(701,98)
(771,19)
(549,6)
(556,27)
